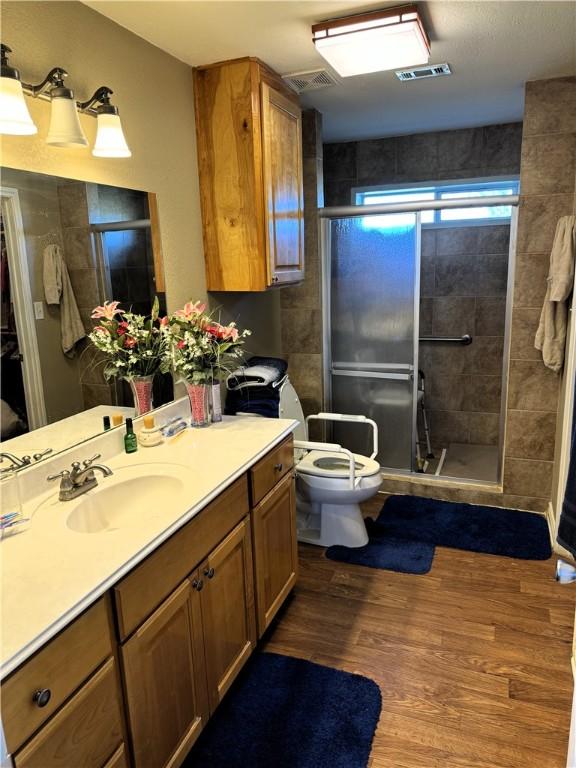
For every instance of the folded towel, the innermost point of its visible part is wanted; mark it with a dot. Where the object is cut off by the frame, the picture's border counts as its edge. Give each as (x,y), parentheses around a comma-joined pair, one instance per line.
(258,372)
(551,334)
(58,290)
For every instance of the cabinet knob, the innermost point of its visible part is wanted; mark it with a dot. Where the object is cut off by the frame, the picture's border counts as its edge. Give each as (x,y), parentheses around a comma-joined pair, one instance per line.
(198,584)
(41,697)
(209,573)
(278,467)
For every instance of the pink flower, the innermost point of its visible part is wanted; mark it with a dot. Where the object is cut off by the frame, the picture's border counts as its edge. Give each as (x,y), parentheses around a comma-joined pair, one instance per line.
(107,311)
(100,329)
(181,344)
(191,310)
(122,328)
(129,342)
(164,321)
(230,333)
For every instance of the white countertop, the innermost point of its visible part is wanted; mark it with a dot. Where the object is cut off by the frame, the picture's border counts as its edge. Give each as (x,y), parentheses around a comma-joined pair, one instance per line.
(50,573)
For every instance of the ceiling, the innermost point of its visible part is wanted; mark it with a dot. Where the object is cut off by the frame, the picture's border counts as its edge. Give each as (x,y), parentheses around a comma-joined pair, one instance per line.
(492,47)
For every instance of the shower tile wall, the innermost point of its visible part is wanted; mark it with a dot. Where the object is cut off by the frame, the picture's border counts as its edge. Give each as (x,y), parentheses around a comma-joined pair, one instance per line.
(463,290)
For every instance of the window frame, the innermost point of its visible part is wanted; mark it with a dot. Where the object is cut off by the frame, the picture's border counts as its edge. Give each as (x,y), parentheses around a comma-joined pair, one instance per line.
(447,185)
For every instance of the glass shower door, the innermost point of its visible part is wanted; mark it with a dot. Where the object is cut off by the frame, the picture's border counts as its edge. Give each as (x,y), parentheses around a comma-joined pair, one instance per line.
(373,285)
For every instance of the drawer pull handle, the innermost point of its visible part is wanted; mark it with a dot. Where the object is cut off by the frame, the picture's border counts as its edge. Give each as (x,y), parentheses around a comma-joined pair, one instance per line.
(278,467)
(198,584)
(209,573)
(42,696)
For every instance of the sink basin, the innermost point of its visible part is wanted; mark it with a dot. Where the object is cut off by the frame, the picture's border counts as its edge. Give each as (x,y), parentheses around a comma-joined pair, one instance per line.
(132,493)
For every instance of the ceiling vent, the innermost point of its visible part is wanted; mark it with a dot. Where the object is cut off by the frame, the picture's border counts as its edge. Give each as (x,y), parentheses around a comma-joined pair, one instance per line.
(418,73)
(302,82)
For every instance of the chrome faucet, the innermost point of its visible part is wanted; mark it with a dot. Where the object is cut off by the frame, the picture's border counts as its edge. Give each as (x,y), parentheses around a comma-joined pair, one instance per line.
(16,462)
(80,478)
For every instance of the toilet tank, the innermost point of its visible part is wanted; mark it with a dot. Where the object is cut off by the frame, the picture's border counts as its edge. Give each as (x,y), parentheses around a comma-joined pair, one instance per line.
(290,408)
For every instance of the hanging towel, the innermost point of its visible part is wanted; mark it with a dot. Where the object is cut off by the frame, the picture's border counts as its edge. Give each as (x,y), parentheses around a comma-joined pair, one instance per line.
(58,290)
(567,527)
(551,333)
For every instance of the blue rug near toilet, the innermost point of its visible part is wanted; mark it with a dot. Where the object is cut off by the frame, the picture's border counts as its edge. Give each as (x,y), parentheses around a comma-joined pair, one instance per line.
(414,520)
(289,713)
(388,553)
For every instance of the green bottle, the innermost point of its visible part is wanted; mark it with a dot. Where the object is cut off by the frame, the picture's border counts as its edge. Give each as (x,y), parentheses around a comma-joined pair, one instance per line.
(130,440)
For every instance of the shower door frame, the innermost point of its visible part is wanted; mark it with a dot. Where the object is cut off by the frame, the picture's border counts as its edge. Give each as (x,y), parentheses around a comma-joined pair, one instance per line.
(378,368)
(325,216)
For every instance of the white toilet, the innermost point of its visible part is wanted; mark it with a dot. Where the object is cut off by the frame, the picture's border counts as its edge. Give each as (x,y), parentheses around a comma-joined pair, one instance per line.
(330,480)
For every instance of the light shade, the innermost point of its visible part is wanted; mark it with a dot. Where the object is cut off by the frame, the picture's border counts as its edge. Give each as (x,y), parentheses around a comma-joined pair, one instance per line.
(14,116)
(65,129)
(110,141)
(373,42)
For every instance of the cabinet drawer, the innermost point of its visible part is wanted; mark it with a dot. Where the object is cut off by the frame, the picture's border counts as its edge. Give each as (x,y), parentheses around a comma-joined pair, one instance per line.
(148,584)
(268,471)
(85,732)
(60,667)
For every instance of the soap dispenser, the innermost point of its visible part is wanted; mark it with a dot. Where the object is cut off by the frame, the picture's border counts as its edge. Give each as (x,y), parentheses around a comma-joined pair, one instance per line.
(130,441)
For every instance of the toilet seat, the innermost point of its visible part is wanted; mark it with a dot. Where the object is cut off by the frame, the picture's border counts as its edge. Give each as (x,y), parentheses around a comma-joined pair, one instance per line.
(327,464)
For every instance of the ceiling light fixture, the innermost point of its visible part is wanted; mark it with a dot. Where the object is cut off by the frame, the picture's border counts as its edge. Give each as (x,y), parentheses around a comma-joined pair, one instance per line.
(372,42)
(65,129)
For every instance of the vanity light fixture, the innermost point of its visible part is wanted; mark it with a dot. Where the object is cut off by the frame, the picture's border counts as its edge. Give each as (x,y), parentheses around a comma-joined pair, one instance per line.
(65,129)
(372,42)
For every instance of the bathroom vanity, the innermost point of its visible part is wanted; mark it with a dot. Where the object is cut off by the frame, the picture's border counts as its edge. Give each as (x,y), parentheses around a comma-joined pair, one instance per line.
(133,652)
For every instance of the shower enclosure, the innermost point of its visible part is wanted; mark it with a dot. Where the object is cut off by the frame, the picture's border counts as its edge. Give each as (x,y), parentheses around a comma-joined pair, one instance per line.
(383,360)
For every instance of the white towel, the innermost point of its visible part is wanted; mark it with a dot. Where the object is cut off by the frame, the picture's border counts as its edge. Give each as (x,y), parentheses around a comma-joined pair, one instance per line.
(58,290)
(551,333)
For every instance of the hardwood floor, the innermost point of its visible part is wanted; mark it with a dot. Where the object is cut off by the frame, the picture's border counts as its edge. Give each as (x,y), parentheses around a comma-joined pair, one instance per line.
(473,659)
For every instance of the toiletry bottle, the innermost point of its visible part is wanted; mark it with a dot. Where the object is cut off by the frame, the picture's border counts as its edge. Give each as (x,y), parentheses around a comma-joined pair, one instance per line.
(130,441)
(106,423)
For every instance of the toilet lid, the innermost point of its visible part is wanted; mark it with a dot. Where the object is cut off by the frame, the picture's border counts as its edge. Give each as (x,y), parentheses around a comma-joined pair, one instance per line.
(327,464)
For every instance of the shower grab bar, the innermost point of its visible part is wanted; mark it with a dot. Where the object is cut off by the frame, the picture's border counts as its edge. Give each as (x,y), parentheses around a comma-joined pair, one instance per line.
(465,339)
(343,211)
(373,366)
(374,375)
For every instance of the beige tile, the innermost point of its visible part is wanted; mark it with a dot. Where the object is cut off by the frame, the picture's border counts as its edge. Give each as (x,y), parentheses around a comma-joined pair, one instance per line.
(305,372)
(428,248)
(494,238)
(78,248)
(548,164)
(502,148)
(447,392)
(437,359)
(425,317)
(532,387)
(530,435)
(537,219)
(417,154)
(85,287)
(491,276)
(490,316)
(462,148)
(457,240)
(483,393)
(484,428)
(550,106)
(524,325)
(427,279)
(487,355)
(530,279)
(452,316)
(376,161)
(525,477)
(526,503)
(455,275)
(303,296)
(73,200)
(448,427)
(301,329)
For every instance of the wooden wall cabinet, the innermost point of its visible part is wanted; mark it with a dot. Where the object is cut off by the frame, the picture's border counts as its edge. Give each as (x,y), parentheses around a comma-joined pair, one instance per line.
(249,136)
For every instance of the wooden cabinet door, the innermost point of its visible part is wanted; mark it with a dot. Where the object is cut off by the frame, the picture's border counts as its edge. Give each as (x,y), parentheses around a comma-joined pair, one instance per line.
(164,681)
(283,192)
(227,596)
(275,550)
(85,732)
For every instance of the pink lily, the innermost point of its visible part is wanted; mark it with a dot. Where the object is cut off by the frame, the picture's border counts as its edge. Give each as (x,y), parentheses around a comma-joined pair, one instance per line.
(190,310)
(107,310)
(164,321)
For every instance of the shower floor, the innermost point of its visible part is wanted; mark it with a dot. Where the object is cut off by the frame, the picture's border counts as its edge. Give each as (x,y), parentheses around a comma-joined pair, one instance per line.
(473,462)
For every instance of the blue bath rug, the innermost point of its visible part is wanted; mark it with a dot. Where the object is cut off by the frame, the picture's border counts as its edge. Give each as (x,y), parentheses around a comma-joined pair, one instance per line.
(284,712)
(491,530)
(388,553)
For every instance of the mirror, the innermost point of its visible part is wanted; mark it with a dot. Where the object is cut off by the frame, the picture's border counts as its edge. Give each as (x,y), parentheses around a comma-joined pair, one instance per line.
(53,393)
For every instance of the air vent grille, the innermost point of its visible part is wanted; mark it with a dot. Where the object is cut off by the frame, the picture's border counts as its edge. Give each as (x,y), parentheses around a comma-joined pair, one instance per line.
(302,82)
(418,73)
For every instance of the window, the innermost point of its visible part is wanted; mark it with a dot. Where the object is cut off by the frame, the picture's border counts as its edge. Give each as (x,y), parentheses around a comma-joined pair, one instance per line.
(443,191)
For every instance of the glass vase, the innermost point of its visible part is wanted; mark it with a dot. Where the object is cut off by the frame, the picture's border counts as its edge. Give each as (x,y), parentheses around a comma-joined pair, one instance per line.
(141,387)
(215,401)
(199,396)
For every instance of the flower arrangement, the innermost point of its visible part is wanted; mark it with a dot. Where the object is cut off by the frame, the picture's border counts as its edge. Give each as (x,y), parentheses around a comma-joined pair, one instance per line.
(133,345)
(202,349)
